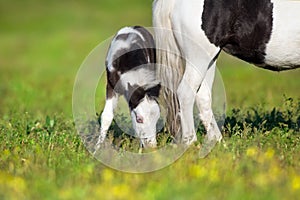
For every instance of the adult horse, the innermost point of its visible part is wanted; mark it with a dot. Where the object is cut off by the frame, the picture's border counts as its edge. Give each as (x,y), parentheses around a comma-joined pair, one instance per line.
(265,33)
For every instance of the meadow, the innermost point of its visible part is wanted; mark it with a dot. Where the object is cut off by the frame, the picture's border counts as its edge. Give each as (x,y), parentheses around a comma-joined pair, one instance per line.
(42,45)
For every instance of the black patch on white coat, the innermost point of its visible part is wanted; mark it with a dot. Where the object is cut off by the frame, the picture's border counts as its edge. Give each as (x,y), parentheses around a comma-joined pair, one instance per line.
(241,28)
(141,53)
(136,94)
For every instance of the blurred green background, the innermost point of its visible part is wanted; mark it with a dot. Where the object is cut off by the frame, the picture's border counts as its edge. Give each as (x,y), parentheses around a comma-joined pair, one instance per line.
(42,45)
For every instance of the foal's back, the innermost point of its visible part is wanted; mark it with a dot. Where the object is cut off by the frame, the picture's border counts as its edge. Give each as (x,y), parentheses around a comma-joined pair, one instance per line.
(131,58)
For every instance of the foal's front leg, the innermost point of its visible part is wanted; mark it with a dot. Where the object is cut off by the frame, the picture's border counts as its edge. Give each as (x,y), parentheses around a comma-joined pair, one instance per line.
(107,115)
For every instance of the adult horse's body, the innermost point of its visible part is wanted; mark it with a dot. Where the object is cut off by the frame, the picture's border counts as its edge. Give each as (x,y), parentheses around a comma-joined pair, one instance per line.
(262,32)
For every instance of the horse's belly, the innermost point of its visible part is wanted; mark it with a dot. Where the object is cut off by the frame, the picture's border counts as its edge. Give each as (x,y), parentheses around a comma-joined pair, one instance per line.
(283,49)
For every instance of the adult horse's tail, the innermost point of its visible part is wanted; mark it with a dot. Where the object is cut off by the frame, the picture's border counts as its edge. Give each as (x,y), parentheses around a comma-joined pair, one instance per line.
(170,64)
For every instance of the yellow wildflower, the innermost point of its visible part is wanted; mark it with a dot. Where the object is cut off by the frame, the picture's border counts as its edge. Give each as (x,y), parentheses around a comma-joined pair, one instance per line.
(251,152)
(197,171)
(296,183)
(121,191)
(269,154)
(107,175)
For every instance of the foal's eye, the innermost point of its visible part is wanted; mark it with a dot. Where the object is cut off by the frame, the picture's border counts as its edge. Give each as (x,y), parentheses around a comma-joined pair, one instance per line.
(139,119)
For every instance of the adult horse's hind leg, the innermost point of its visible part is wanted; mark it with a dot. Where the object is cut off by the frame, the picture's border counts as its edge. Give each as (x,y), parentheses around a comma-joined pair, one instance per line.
(204,104)
(192,79)
(186,94)
(198,54)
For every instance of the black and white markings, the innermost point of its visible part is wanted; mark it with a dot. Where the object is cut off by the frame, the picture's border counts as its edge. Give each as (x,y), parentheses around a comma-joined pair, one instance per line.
(131,59)
(242,28)
(130,67)
(261,32)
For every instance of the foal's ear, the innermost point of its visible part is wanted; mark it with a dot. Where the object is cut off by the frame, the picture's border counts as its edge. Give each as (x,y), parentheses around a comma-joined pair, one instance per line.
(130,88)
(154,91)
(134,95)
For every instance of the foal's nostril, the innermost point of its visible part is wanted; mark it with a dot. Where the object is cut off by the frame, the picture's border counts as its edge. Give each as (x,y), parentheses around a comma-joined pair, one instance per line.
(139,119)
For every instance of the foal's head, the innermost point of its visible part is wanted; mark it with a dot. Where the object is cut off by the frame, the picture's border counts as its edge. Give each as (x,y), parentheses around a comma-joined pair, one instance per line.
(145,112)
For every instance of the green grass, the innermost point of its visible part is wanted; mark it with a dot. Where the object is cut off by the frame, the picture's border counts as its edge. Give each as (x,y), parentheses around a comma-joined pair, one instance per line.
(42,45)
